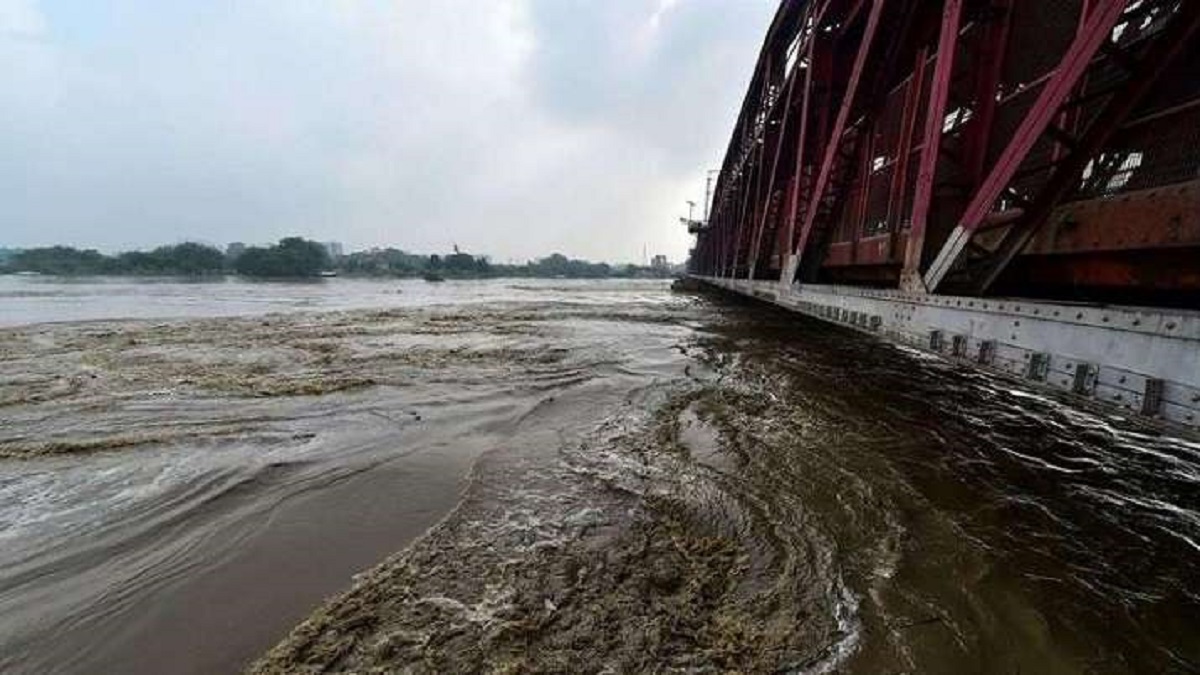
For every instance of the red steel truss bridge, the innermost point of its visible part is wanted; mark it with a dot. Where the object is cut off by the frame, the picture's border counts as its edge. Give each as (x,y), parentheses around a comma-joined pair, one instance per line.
(912,154)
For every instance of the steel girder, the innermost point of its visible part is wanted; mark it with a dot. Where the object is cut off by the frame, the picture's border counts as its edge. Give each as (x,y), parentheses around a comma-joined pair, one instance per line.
(932,145)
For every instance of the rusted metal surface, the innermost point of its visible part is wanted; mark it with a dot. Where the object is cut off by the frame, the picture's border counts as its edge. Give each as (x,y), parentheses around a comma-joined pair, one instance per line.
(1164,217)
(968,147)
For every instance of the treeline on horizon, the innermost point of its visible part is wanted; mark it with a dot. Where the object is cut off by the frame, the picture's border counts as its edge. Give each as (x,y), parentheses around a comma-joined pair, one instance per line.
(295,257)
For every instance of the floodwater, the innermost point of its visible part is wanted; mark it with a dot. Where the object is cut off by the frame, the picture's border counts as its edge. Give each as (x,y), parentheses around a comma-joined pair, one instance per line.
(39,299)
(550,476)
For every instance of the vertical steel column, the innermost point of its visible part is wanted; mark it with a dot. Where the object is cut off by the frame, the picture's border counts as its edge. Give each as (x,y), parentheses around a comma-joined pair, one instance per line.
(904,149)
(801,141)
(859,210)
(935,115)
(839,125)
(778,152)
(992,52)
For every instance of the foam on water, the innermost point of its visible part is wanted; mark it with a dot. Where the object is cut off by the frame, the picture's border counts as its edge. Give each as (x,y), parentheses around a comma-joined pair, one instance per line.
(654,481)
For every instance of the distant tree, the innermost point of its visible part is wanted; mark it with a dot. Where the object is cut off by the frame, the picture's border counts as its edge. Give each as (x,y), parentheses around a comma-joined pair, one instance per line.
(460,264)
(400,263)
(256,261)
(302,257)
(190,258)
(554,264)
(559,265)
(291,257)
(61,260)
(383,262)
(298,257)
(184,259)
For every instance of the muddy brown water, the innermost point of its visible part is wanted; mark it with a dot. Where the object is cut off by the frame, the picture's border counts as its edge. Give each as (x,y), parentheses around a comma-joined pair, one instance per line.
(550,476)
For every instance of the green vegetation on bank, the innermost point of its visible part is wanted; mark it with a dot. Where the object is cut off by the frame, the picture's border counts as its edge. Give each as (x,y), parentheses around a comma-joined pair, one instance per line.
(391,262)
(183,259)
(291,257)
(295,257)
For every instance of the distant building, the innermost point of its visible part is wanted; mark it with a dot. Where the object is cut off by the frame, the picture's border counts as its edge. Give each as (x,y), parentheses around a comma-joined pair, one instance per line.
(659,264)
(234,250)
(334,249)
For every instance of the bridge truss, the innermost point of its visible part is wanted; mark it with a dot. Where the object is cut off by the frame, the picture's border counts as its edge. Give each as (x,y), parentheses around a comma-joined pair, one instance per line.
(1040,148)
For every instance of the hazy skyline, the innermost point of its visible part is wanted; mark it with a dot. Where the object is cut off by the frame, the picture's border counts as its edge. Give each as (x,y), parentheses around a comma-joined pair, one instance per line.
(512,128)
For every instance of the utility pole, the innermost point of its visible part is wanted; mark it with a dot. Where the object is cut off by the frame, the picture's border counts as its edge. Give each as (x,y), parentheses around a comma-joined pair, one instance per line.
(708,180)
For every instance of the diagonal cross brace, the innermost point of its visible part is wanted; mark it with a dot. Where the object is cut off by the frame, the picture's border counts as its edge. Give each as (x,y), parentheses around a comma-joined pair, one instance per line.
(839,126)
(1074,63)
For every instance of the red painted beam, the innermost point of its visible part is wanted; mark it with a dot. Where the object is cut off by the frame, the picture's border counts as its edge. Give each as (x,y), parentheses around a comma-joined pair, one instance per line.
(935,115)
(1097,29)
(839,125)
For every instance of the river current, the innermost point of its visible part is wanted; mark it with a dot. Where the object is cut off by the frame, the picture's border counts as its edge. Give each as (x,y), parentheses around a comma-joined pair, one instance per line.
(550,476)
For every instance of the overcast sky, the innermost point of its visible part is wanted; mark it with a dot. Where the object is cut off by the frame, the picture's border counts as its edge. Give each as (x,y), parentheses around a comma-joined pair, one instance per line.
(509,127)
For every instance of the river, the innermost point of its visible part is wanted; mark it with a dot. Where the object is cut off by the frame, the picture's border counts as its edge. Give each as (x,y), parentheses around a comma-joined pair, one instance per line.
(554,476)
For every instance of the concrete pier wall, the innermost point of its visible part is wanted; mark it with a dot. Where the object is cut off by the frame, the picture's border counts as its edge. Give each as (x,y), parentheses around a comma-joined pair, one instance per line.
(1145,361)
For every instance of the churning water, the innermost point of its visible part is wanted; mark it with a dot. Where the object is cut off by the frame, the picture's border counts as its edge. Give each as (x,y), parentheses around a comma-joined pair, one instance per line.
(607,476)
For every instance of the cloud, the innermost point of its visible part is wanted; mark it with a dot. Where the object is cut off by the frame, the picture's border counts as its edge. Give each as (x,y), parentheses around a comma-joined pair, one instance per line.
(514,127)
